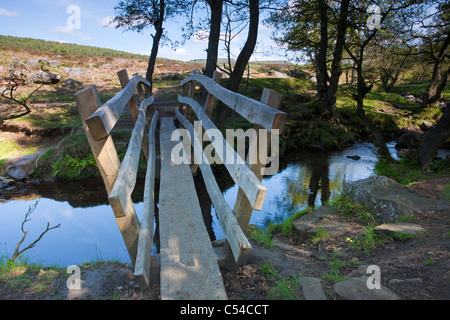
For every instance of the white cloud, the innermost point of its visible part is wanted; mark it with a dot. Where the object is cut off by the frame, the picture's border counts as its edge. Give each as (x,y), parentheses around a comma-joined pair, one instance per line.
(201,36)
(106,22)
(4,12)
(180,52)
(67,30)
(71,32)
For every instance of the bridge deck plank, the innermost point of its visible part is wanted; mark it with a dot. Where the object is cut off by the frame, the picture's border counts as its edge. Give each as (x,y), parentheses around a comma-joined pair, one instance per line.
(189,268)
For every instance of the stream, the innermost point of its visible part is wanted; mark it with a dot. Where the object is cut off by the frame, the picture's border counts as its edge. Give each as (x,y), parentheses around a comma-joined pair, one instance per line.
(89,232)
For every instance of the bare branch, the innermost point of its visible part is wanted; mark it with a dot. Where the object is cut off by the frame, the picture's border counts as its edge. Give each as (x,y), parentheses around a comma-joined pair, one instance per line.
(17,251)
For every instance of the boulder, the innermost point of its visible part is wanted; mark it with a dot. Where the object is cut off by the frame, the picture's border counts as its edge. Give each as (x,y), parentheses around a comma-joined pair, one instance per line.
(409,97)
(410,140)
(388,200)
(45,77)
(321,219)
(19,168)
(43,61)
(71,83)
(76,72)
(278,74)
(7,182)
(194,71)
(356,289)
(426,125)
(299,74)
(54,64)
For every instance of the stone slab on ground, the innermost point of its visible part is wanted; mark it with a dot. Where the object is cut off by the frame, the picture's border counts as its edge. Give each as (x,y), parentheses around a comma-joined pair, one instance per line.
(312,288)
(392,229)
(320,219)
(388,200)
(356,289)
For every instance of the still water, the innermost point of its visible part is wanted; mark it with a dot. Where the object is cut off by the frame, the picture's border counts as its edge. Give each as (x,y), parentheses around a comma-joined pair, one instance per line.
(90,233)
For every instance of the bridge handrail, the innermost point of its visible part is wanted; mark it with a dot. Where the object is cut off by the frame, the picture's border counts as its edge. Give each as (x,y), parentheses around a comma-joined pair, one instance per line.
(254,111)
(239,243)
(263,114)
(120,177)
(238,169)
(105,118)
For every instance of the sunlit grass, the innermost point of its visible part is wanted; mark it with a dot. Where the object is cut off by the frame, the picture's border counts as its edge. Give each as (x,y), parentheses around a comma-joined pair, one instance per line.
(10,149)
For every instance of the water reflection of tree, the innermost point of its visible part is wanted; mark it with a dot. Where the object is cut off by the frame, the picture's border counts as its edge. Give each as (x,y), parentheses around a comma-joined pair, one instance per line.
(304,180)
(18,252)
(320,169)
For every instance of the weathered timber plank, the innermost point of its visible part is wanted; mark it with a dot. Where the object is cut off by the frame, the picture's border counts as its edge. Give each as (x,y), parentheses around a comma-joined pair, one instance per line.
(230,226)
(108,162)
(120,196)
(242,206)
(105,118)
(210,99)
(252,110)
(132,103)
(236,166)
(133,107)
(145,244)
(189,268)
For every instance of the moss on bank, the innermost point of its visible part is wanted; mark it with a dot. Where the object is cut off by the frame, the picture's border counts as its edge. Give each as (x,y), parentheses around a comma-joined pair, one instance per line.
(72,158)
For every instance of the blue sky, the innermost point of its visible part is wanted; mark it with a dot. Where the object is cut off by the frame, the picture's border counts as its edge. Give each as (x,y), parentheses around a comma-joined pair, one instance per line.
(48,20)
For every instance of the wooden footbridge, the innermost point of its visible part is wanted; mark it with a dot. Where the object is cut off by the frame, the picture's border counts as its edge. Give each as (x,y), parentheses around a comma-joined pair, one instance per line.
(187,266)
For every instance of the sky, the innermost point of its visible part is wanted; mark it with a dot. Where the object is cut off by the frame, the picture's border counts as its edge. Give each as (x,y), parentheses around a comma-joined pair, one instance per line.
(86,23)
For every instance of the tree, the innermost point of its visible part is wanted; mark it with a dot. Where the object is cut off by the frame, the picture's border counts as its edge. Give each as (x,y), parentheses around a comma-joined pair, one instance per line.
(361,35)
(137,15)
(244,56)
(11,84)
(436,44)
(433,139)
(388,57)
(318,28)
(215,22)
(236,72)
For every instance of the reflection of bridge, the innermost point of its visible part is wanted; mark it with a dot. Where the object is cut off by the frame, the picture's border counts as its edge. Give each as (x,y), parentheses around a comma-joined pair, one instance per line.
(188,263)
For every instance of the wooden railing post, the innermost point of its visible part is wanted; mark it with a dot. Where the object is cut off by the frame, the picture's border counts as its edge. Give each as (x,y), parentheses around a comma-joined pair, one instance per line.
(190,94)
(211,99)
(132,104)
(134,108)
(105,154)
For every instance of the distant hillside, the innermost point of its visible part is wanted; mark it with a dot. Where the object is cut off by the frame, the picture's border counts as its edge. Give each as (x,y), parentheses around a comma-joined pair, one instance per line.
(63,48)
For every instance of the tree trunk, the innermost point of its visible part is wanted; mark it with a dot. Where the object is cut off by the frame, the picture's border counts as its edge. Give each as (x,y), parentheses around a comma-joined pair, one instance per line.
(213,44)
(336,68)
(214,36)
(433,93)
(363,90)
(156,39)
(247,50)
(438,80)
(321,58)
(433,139)
(222,112)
